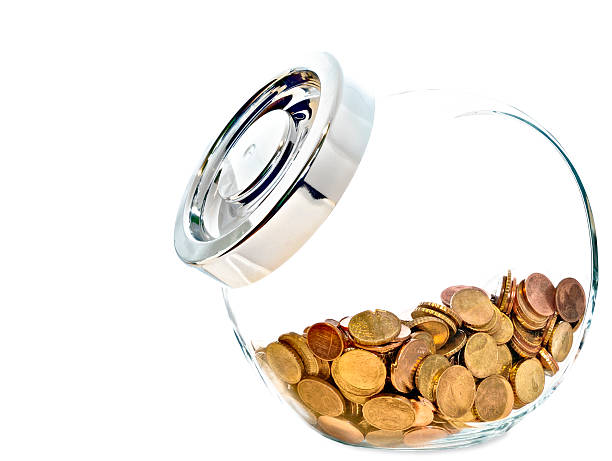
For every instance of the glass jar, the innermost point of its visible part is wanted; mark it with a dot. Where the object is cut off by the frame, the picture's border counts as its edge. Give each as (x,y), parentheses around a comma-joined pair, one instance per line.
(438,189)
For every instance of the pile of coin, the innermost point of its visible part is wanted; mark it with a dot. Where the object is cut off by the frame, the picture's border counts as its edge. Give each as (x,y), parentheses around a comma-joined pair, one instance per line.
(377,379)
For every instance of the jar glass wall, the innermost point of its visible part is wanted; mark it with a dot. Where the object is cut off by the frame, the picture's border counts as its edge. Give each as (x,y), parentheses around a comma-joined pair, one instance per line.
(452,189)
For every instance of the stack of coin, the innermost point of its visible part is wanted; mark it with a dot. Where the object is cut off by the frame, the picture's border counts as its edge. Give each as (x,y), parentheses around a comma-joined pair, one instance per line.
(376,379)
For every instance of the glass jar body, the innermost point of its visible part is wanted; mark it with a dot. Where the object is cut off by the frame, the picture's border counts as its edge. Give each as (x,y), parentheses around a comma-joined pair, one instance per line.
(452,189)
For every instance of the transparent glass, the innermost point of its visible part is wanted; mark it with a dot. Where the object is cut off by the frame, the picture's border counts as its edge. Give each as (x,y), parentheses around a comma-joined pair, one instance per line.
(453,189)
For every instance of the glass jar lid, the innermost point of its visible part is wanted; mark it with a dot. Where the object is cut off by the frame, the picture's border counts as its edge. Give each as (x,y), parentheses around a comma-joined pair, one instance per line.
(274,173)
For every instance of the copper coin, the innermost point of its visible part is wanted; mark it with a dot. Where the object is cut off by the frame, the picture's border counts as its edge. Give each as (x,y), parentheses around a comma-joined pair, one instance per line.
(420,436)
(341,429)
(473,306)
(549,364)
(561,341)
(454,344)
(386,439)
(299,344)
(402,370)
(359,372)
(570,300)
(446,311)
(428,371)
(439,329)
(321,396)
(455,391)
(504,360)
(325,340)
(540,294)
(389,412)
(423,412)
(494,398)
(448,293)
(480,355)
(373,328)
(425,336)
(527,379)
(285,362)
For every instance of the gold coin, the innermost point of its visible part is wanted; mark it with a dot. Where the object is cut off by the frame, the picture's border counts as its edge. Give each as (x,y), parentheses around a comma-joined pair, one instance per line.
(473,306)
(423,412)
(561,341)
(321,396)
(480,355)
(420,436)
(285,362)
(527,379)
(389,412)
(438,329)
(549,364)
(455,391)
(324,369)
(505,331)
(454,344)
(426,312)
(427,372)
(494,398)
(341,429)
(444,310)
(386,439)
(299,344)
(548,329)
(359,372)
(373,328)
(358,399)
(504,360)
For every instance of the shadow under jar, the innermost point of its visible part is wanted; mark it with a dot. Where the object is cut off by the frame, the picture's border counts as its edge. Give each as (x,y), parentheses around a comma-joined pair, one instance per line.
(379,322)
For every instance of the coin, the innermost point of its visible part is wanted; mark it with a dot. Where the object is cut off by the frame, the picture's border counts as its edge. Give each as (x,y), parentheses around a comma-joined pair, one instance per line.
(438,329)
(299,344)
(504,295)
(447,311)
(423,412)
(540,294)
(403,368)
(422,311)
(427,372)
(325,340)
(341,429)
(324,369)
(525,314)
(389,412)
(358,399)
(561,341)
(504,360)
(505,331)
(549,364)
(321,396)
(455,391)
(473,306)
(548,329)
(570,300)
(386,439)
(448,293)
(527,379)
(480,355)
(419,436)
(373,328)
(494,398)
(285,362)
(425,336)
(454,344)
(359,372)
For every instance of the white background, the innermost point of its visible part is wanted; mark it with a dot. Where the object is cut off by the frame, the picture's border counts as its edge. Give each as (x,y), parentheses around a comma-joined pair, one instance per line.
(111,348)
